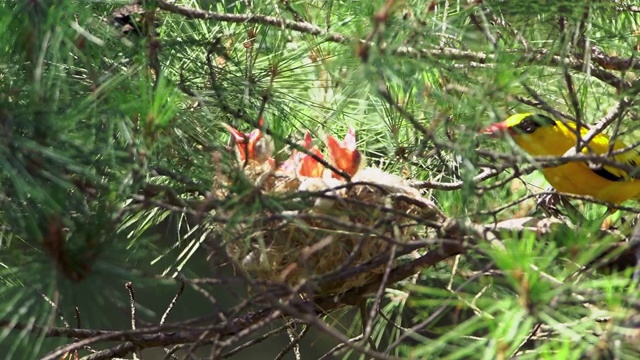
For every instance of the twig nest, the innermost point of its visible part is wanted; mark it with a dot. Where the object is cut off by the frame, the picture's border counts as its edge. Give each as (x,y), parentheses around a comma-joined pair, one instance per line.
(335,233)
(341,226)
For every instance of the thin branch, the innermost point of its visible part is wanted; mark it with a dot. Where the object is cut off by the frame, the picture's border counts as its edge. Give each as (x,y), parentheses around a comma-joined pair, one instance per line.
(340,346)
(172,303)
(255,341)
(542,57)
(457,185)
(132,304)
(436,314)
(294,344)
(378,297)
(180,333)
(312,319)
(603,123)
(303,27)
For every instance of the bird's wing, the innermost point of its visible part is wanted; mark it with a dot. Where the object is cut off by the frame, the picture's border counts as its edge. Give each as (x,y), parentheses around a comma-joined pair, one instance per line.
(630,158)
(600,145)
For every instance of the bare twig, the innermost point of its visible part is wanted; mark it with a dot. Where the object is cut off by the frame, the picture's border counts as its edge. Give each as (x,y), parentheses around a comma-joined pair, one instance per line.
(132,304)
(457,185)
(257,340)
(307,28)
(294,344)
(172,303)
(542,57)
(436,314)
(369,320)
(603,123)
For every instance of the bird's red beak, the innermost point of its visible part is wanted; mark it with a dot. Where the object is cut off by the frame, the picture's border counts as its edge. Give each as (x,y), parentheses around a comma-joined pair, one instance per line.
(497,130)
(344,154)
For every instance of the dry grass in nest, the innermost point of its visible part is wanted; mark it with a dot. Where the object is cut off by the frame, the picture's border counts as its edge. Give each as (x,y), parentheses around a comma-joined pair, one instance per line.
(344,227)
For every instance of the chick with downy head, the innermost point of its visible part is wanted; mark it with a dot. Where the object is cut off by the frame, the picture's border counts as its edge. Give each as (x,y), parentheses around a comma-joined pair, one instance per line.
(254,151)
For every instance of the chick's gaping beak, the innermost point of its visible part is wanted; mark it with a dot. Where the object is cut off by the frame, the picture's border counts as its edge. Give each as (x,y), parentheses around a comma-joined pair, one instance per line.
(254,145)
(237,135)
(301,164)
(245,143)
(497,130)
(309,166)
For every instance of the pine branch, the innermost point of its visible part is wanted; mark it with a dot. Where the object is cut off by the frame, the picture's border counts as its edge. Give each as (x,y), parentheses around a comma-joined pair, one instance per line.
(183,333)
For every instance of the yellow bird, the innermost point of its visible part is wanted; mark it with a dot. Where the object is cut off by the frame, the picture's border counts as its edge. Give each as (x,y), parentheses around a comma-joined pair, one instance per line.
(540,135)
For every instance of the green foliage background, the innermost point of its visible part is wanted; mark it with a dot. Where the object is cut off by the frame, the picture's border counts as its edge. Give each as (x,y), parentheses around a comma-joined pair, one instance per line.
(107,139)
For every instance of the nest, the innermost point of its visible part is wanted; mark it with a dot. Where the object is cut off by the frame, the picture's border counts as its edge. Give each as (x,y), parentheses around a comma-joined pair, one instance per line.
(342,226)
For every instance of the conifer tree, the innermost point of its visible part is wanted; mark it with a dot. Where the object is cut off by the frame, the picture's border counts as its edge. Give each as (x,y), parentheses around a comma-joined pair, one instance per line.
(308,179)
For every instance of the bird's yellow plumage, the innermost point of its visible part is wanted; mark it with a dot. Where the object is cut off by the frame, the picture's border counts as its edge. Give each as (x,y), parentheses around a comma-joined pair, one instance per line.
(540,135)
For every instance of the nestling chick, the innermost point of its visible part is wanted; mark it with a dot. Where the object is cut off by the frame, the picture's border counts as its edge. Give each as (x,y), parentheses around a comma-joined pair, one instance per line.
(254,151)
(302,164)
(309,173)
(344,154)
(254,146)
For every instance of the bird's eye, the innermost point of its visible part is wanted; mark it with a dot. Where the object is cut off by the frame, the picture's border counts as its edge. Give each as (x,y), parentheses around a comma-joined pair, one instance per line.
(528,126)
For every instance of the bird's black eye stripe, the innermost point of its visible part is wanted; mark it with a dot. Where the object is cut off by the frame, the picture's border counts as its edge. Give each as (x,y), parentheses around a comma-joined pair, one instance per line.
(542,120)
(529,124)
